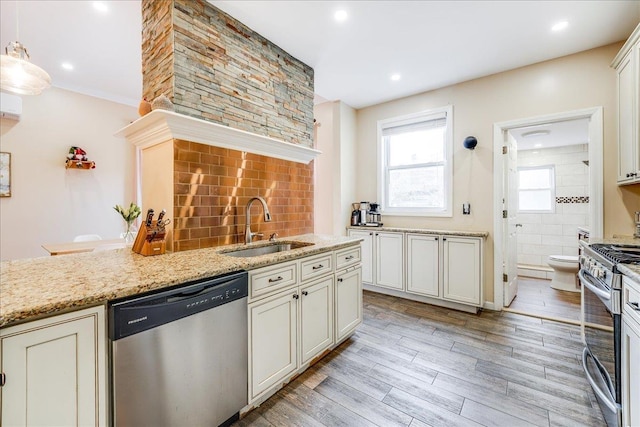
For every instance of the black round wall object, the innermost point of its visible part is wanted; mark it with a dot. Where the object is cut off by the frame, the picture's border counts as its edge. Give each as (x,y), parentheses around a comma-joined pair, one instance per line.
(470,142)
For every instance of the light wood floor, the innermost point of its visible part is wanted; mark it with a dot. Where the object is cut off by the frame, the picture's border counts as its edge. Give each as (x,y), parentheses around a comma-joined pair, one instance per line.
(536,297)
(412,364)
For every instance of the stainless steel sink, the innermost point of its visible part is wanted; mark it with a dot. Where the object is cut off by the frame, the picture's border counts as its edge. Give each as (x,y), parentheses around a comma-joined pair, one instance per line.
(264,250)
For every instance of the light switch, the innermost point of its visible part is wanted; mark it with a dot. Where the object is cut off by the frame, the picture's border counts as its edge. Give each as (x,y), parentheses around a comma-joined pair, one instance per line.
(466,209)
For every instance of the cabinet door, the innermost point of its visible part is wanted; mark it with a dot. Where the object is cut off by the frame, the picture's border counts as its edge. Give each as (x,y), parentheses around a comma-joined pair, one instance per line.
(422,264)
(389,260)
(55,371)
(462,268)
(630,372)
(272,340)
(348,303)
(627,118)
(367,253)
(316,318)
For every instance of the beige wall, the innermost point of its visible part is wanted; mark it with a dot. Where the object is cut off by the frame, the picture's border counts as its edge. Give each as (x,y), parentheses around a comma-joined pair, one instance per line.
(573,82)
(334,172)
(50,204)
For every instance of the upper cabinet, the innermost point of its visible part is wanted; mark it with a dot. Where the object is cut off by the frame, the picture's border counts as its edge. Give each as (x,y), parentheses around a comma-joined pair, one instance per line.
(627,65)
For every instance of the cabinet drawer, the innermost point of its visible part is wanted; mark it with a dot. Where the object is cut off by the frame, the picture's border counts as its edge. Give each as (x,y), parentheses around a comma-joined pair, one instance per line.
(316,266)
(270,279)
(348,256)
(631,299)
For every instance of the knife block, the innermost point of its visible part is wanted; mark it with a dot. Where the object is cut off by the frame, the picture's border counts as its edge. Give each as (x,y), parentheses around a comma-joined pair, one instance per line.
(150,240)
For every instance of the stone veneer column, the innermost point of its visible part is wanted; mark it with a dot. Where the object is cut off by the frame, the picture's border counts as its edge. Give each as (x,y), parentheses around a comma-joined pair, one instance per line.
(215,68)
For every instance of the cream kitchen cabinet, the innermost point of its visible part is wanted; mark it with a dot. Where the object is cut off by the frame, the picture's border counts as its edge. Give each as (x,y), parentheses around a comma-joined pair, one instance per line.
(273,340)
(293,317)
(366,247)
(627,65)
(423,264)
(316,318)
(630,353)
(462,269)
(382,258)
(54,370)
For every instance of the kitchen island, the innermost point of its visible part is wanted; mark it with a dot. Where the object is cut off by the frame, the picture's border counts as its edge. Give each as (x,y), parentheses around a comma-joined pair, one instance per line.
(38,287)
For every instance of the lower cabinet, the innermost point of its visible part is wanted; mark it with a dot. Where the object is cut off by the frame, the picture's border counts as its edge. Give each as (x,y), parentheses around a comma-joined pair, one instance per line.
(55,370)
(631,372)
(348,301)
(462,270)
(291,326)
(273,324)
(423,272)
(382,258)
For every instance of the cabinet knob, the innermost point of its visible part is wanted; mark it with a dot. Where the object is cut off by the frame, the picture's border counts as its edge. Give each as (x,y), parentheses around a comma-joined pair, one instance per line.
(340,279)
(296,296)
(3,379)
(628,175)
(305,293)
(436,239)
(444,238)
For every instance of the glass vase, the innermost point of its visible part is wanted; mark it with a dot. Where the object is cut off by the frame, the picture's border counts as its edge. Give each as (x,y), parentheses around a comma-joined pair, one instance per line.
(129,233)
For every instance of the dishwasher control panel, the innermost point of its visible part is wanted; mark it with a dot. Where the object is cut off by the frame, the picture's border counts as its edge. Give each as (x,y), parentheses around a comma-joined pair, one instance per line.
(136,315)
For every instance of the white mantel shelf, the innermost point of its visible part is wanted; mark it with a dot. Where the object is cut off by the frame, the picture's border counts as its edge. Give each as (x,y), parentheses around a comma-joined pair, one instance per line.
(161,126)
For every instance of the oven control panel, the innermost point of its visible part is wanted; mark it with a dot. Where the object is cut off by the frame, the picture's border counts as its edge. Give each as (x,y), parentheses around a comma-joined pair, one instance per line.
(593,267)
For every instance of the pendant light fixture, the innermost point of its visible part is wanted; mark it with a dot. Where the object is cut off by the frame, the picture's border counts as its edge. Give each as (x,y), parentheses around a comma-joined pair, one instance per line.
(17,73)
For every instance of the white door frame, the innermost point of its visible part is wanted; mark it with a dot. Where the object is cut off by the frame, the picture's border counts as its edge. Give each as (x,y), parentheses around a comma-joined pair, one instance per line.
(596,144)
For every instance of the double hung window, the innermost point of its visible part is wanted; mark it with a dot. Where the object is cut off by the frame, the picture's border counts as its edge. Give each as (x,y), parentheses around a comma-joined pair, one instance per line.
(415,164)
(536,189)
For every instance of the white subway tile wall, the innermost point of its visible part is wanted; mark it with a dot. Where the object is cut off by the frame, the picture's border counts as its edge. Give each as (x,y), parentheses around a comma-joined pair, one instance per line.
(555,233)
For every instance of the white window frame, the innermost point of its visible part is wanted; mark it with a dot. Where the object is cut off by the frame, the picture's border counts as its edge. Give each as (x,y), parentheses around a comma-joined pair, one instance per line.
(552,188)
(382,188)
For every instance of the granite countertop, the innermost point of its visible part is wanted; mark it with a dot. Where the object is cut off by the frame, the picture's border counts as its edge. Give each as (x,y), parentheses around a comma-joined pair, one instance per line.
(483,234)
(631,271)
(32,288)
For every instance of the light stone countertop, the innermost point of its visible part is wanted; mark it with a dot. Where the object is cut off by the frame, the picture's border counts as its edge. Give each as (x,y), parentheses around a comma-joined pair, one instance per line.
(483,234)
(38,287)
(631,271)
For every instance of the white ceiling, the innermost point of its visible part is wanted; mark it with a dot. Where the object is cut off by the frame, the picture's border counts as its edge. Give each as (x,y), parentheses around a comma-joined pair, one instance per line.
(431,44)
(550,135)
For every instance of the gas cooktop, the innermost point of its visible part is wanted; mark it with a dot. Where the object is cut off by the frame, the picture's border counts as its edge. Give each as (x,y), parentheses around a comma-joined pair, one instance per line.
(618,254)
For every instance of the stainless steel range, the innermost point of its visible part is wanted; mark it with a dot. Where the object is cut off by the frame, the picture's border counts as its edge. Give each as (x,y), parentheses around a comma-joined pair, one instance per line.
(601,312)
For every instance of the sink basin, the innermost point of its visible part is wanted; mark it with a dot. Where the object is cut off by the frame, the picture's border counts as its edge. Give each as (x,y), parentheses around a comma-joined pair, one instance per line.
(264,250)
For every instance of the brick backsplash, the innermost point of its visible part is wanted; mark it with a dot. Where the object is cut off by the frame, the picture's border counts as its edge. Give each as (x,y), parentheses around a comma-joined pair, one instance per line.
(212,186)
(215,68)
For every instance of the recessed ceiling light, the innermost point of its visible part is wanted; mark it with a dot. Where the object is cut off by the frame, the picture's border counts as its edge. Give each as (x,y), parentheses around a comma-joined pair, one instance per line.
(67,66)
(395,77)
(100,6)
(537,146)
(535,133)
(340,15)
(559,26)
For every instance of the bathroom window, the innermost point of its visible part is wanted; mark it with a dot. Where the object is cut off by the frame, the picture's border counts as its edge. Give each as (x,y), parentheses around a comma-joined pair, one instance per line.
(536,189)
(415,167)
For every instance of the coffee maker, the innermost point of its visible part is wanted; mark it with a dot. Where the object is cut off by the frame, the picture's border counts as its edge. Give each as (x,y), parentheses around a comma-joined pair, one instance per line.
(374,217)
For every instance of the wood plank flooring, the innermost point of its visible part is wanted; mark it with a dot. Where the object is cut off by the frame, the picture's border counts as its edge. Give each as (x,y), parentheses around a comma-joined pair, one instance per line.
(413,364)
(535,297)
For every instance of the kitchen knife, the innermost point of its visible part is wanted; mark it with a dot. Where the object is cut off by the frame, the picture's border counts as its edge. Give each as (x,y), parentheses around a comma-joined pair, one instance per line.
(160,216)
(149,218)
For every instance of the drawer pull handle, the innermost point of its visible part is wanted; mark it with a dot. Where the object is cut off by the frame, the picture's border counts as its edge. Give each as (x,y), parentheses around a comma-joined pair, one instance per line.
(350,257)
(340,279)
(305,293)
(634,305)
(277,279)
(317,267)
(3,379)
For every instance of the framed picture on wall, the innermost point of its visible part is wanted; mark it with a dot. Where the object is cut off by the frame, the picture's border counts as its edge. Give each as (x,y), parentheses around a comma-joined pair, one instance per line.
(5,174)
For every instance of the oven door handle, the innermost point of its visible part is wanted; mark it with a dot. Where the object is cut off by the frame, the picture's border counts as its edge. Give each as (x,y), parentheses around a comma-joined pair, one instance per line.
(604,295)
(607,399)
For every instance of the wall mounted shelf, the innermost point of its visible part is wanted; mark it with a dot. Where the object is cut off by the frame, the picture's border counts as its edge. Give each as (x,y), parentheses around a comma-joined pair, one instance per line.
(78,164)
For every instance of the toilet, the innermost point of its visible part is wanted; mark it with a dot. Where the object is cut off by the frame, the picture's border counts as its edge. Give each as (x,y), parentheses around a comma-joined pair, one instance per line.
(564,272)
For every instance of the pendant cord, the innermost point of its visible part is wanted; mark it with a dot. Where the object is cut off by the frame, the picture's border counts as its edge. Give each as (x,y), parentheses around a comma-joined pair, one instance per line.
(17,20)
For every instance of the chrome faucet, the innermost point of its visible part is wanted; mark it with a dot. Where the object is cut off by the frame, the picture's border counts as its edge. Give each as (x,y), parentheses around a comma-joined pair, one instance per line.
(248,235)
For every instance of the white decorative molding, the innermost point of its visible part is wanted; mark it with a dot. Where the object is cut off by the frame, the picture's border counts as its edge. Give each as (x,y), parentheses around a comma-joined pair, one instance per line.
(161,125)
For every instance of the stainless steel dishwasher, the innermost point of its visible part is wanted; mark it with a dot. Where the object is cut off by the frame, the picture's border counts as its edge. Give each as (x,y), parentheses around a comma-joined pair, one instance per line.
(179,357)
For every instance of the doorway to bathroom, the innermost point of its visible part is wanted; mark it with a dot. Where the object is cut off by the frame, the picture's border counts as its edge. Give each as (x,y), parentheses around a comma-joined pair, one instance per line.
(548,188)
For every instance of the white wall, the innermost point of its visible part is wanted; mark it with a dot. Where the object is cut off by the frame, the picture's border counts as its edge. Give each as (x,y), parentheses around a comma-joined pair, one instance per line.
(582,80)
(334,171)
(544,234)
(50,204)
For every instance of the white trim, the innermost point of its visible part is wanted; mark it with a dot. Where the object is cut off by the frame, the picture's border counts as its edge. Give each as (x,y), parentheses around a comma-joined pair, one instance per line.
(433,113)
(596,143)
(160,126)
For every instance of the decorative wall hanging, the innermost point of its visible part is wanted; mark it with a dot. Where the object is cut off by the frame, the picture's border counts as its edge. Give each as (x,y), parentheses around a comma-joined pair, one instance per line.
(77,159)
(5,174)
